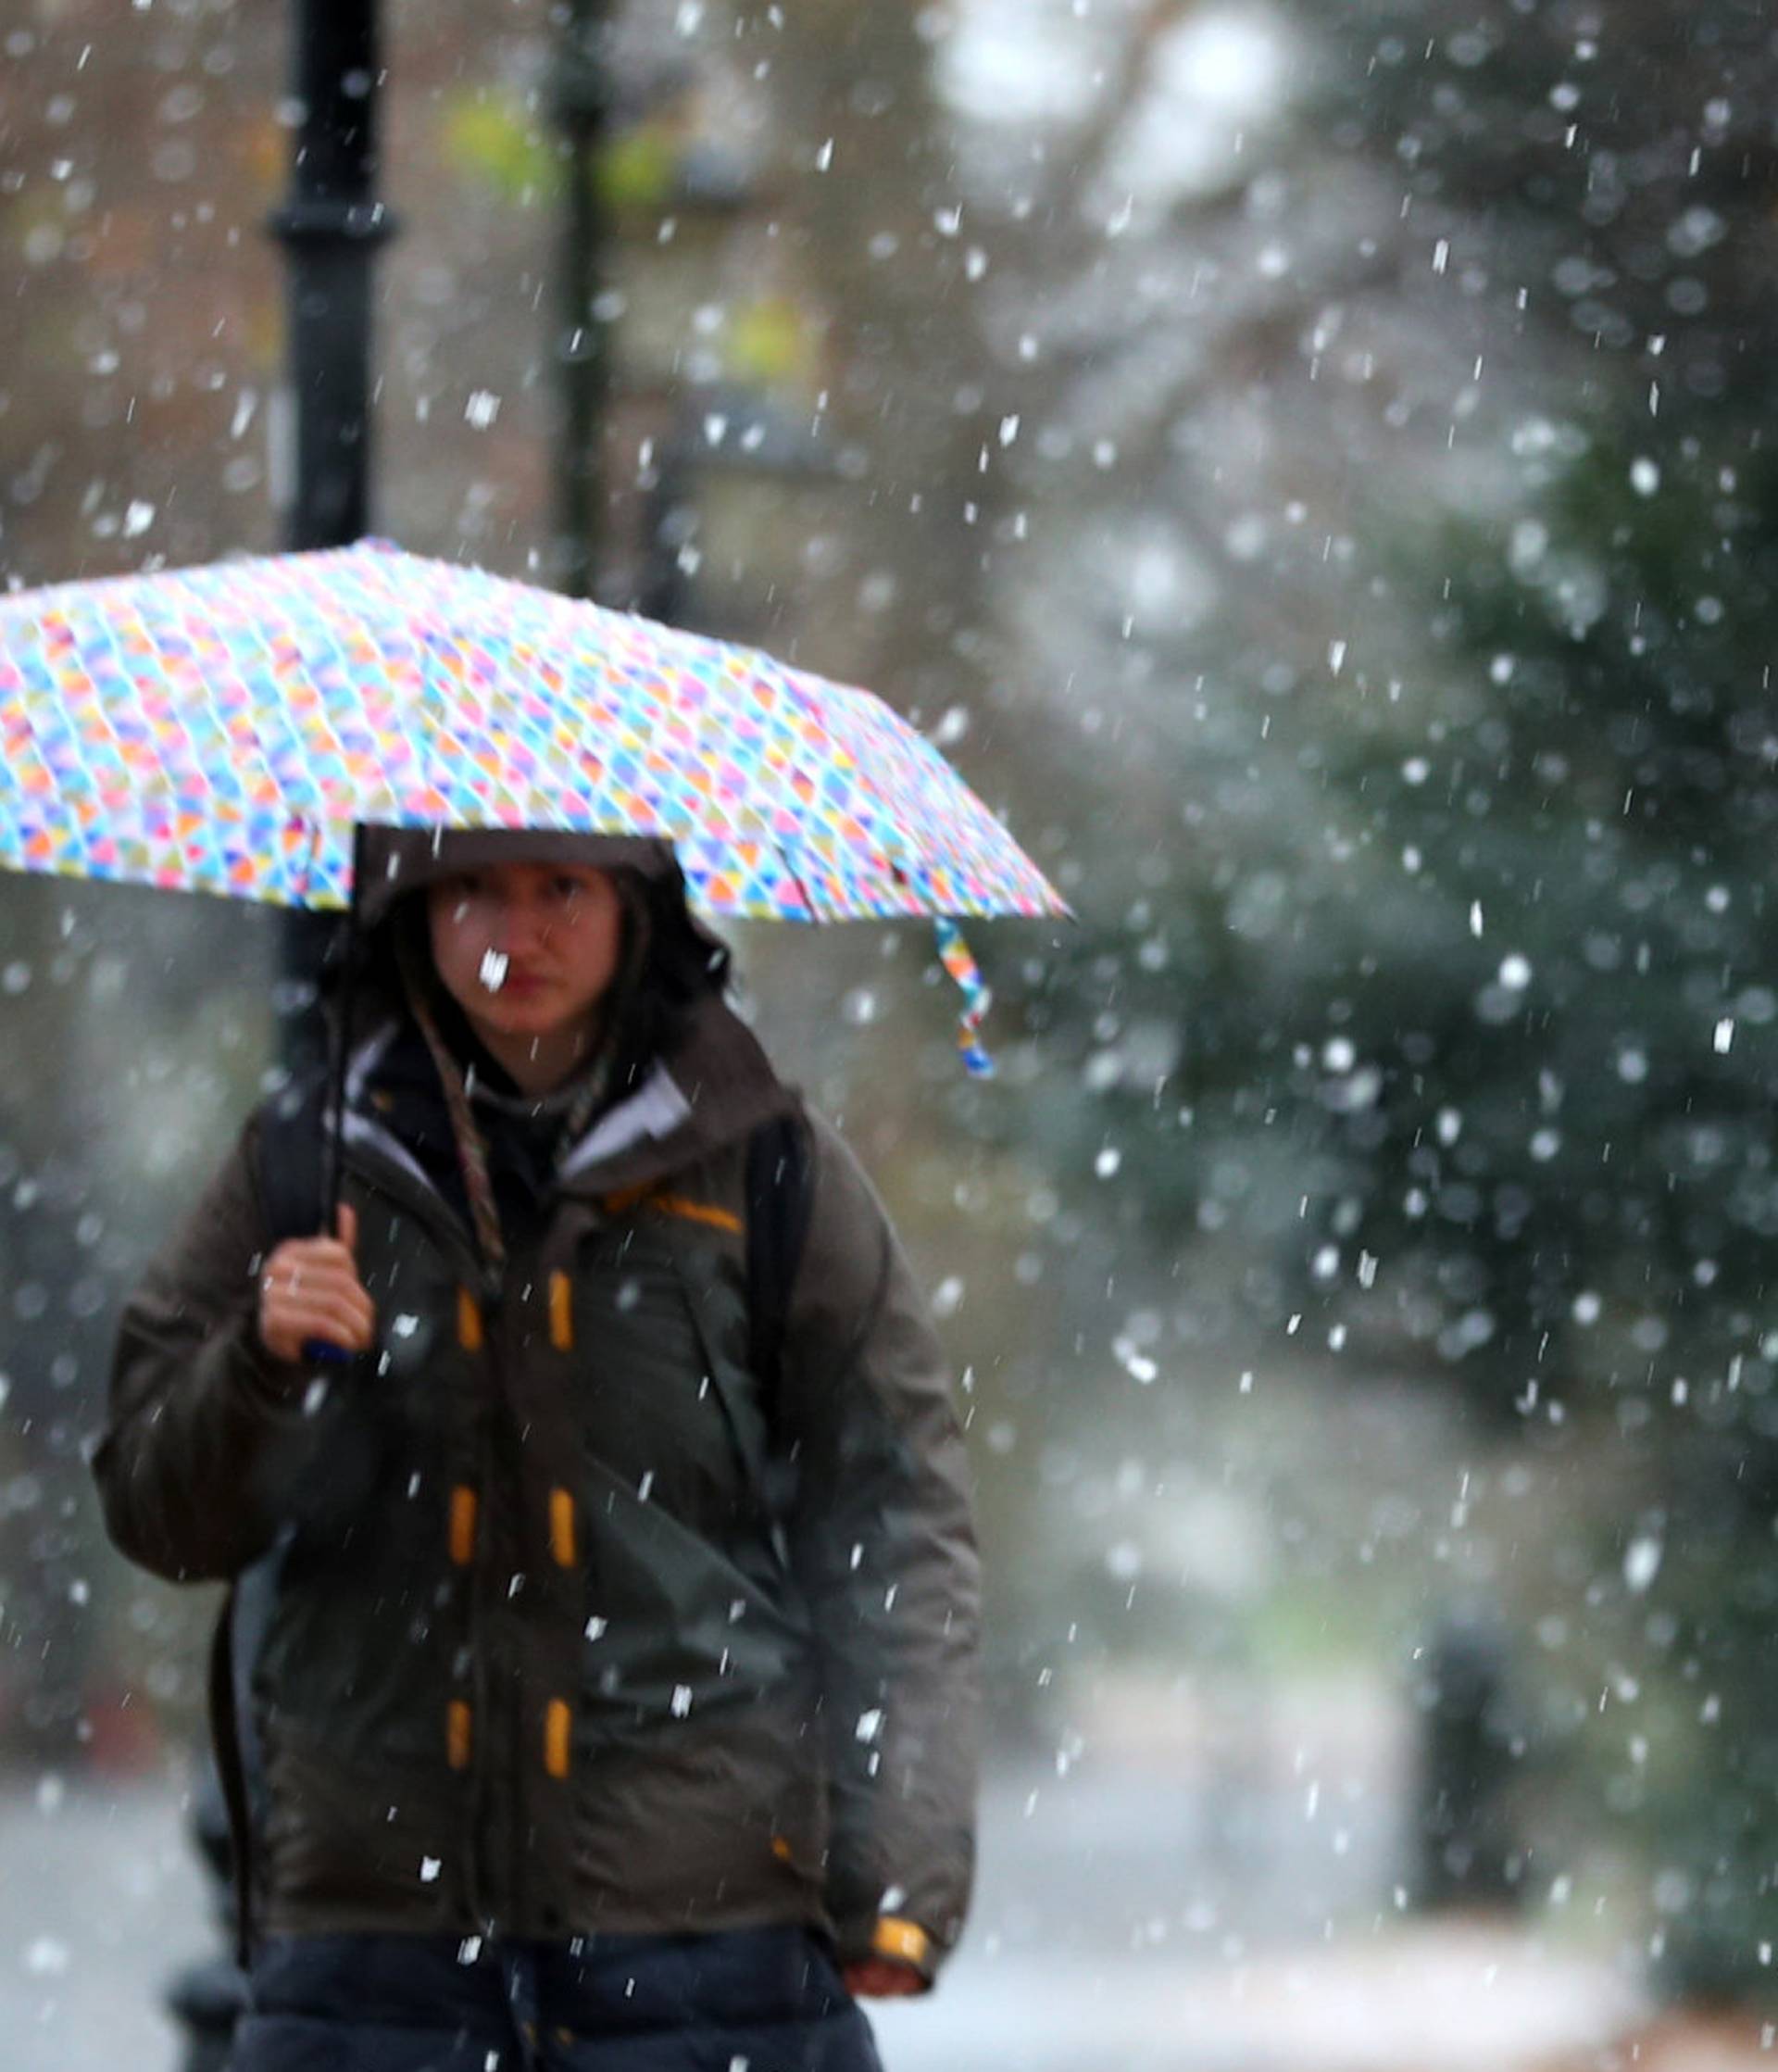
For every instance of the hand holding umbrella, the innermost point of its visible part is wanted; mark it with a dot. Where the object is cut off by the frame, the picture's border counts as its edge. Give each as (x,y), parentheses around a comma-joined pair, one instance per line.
(312,1304)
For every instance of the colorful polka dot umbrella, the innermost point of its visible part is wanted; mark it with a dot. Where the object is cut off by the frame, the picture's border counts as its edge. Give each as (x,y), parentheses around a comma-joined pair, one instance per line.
(224,729)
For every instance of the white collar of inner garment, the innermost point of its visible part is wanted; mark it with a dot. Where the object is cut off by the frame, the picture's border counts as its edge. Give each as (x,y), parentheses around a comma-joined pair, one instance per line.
(657,1108)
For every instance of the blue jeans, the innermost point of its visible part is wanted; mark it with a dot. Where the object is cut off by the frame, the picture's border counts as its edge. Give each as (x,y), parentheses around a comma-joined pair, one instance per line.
(756,2000)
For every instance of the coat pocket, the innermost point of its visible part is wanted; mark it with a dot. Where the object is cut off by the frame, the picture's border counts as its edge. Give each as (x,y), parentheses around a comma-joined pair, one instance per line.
(355,1846)
(709,1814)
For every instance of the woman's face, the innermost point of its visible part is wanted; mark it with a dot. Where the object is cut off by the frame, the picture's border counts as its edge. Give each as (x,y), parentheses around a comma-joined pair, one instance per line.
(527,951)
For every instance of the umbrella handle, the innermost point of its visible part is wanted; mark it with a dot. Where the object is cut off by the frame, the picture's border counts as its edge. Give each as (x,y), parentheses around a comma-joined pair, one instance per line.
(340,1054)
(322,1352)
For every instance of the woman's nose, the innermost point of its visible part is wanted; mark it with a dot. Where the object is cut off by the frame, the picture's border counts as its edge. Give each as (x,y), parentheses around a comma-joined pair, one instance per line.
(520,924)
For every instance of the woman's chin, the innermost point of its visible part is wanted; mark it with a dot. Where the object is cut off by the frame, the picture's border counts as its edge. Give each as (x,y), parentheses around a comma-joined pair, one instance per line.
(520,1021)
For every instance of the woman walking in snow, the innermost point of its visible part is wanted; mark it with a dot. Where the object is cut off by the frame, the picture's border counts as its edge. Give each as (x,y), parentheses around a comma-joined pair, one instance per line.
(600,1685)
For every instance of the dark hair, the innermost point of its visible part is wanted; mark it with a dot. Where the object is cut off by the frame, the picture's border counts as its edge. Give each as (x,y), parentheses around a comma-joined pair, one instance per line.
(679,965)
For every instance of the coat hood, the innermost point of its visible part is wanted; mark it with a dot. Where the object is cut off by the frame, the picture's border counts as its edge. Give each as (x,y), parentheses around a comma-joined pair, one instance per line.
(399,861)
(693,1074)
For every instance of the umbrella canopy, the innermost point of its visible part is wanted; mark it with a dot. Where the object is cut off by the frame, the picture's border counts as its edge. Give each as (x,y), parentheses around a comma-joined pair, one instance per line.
(222,729)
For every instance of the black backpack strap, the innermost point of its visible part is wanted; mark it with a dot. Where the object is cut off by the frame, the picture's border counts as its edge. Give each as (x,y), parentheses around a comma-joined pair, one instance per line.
(780,1198)
(225,1743)
(292,1161)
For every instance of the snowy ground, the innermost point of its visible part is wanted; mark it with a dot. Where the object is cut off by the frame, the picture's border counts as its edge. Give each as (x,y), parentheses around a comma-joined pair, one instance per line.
(1084,1956)
(101,1900)
(1417,2000)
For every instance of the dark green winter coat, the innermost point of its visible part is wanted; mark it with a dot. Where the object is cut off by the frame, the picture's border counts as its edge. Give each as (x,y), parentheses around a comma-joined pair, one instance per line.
(576,1623)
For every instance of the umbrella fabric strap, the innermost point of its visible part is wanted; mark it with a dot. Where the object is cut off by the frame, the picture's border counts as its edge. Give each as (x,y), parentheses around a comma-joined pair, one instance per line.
(955,955)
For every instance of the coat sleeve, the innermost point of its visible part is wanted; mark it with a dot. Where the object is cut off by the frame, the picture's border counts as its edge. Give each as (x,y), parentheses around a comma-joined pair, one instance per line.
(206,1433)
(881,1540)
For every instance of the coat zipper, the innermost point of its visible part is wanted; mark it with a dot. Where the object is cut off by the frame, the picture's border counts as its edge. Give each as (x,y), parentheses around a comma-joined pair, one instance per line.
(412,1191)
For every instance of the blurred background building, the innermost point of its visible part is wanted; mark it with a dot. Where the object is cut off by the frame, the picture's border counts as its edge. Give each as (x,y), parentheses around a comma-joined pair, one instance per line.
(1310,465)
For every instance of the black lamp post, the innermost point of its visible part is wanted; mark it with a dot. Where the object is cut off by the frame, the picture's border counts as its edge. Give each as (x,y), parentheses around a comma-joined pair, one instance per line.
(581,102)
(331,226)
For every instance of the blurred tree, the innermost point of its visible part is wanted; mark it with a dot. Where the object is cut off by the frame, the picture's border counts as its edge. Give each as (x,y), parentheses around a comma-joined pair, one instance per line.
(1567,1162)
(1514,1028)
